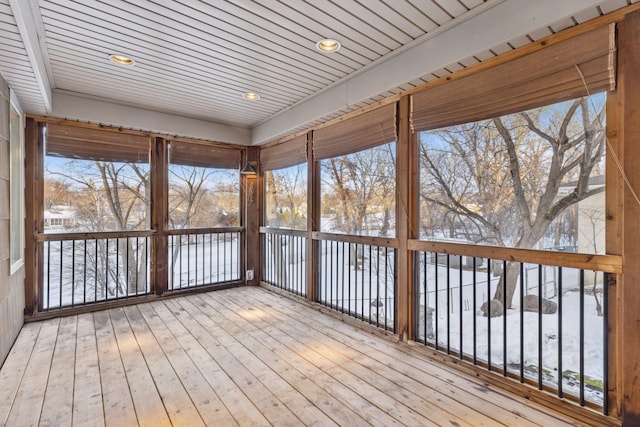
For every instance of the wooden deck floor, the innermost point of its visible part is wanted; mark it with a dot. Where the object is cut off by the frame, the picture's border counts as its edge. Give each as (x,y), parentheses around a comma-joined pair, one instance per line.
(242,356)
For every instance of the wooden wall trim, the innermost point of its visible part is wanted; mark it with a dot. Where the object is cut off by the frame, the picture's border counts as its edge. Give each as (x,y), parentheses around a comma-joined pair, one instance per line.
(388,242)
(283,231)
(606,263)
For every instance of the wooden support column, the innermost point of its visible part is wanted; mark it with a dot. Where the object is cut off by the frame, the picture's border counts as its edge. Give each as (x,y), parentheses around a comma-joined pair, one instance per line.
(252,204)
(34,214)
(406,219)
(159,215)
(628,338)
(613,242)
(313,218)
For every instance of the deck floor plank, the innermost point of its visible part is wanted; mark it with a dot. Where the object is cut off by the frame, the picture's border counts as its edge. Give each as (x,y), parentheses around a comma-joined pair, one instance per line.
(205,398)
(147,401)
(116,397)
(87,393)
(180,408)
(14,367)
(417,381)
(58,399)
(27,406)
(351,340)
(302,395)
(238,404)
(353,374)
(239,357)
(264,399)
(375,408)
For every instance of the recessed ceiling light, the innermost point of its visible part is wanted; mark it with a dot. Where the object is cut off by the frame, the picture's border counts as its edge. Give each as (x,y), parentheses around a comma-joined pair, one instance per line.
(328,45)
(121,60)
(251,96)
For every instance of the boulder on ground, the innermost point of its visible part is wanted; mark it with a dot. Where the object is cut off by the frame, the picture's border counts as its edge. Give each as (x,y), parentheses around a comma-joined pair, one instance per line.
(530,303)
(495,308)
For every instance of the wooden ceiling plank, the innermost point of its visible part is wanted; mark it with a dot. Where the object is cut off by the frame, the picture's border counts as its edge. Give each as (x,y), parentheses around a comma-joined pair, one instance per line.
(181,38)
(329,26)
(432,10)
(211,30)
(62,37)
(452,7)
(280,32)
(371,12)
(412,14)
(305,35)
(167,78)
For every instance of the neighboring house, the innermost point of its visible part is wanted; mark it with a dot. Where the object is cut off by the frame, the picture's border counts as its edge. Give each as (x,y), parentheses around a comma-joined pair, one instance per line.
(590,220)
(59,217)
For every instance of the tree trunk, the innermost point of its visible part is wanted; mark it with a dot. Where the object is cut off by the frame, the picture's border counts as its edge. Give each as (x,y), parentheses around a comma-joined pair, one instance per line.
(512,273)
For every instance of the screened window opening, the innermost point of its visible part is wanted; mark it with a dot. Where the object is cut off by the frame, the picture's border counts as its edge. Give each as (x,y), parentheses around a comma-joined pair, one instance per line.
(95,181)
(358,173)
(531,180)
(203,214)
(285,175)
(204,186)
(286,197)
(528,180)
(358,192)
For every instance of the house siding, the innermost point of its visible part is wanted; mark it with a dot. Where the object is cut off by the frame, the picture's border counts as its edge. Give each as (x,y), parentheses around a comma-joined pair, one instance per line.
(11,285)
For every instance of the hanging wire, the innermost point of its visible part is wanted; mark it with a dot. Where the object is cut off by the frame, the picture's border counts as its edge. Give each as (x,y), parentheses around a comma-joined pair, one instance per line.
(609,145)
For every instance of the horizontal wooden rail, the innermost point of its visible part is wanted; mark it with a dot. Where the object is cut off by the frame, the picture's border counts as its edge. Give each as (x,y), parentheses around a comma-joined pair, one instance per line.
(57,237)
(283,231)
(604,263)
(213,230)
(389,242)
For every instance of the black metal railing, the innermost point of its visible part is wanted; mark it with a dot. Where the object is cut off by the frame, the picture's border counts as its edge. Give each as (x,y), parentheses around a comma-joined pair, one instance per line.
(284,259)
(82,268)
(358,279)
(554,333)
(203,257)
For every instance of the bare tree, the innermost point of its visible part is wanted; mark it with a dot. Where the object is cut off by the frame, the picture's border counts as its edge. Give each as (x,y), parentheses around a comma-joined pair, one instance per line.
(363,187)
(499,179)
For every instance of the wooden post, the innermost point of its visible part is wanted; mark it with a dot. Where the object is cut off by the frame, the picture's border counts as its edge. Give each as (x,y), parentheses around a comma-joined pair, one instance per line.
(252,215)
(613,241)
(628,339)
(159,215)
(313,218)
(406,214)
(34,214)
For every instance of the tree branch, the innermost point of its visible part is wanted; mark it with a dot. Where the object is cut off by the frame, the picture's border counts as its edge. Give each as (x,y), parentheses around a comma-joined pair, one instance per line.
(521,198)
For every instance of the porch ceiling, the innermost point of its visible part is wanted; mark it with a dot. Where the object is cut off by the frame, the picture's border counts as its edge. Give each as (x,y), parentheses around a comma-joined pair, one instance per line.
(195,59)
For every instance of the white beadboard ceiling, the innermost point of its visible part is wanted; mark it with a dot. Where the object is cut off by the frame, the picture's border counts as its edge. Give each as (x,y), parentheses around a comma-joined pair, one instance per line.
(195,59)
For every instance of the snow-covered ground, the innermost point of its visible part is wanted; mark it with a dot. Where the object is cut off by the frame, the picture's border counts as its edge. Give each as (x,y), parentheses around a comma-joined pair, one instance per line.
(73,275)
(212,259)
(462,323)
